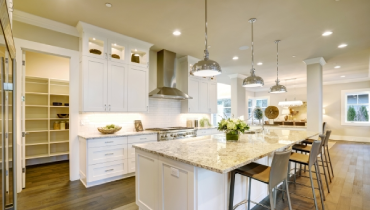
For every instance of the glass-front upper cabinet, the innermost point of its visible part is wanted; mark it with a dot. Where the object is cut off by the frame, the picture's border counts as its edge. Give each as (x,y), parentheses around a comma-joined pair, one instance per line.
(95,46)
(117,50)
(139,56)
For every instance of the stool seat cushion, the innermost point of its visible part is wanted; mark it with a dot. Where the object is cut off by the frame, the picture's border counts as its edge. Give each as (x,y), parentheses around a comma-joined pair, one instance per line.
(301,147)
(309,141)
(299,158)
(255,171)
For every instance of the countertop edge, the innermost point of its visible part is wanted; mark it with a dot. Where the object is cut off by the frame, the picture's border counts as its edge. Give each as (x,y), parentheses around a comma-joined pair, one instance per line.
(101,136)
(212,168)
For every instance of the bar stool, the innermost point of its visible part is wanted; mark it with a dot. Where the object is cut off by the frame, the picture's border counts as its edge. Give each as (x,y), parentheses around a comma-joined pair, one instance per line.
(307,149)
(310,160)
(272,176)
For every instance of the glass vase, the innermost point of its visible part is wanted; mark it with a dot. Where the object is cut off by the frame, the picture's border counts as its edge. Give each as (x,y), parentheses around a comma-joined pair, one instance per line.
(232,136)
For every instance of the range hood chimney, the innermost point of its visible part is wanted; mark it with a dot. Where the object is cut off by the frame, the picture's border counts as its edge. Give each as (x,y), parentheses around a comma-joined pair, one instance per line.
(166,78)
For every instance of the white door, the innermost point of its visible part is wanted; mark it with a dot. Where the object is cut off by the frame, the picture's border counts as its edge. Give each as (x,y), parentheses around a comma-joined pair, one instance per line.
(212,97)
(23,118)
(193,92)
(137,89)
(95,77)
(203,97)
(117,87)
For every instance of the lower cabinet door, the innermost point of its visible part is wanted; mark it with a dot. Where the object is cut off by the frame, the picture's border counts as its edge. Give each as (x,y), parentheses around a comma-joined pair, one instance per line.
(106,170)
(131,165)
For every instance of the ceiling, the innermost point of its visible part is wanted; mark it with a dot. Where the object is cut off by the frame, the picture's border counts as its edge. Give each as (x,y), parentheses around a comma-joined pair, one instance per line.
(299,24)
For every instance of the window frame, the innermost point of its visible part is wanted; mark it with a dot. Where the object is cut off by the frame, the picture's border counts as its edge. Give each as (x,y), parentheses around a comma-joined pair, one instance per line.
(254,104)
(344,104)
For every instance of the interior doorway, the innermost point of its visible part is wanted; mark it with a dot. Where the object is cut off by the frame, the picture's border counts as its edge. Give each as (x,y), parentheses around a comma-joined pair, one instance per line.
(45,110)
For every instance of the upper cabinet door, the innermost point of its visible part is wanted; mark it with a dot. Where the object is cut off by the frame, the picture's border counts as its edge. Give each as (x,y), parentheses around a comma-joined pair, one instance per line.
(212,97)
(203,97)
(137,86)
(94,75)
(95,46)
(117,87)
(117,50)
(193,92)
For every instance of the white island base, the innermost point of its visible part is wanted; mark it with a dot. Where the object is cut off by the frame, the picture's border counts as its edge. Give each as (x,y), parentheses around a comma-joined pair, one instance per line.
(166,184)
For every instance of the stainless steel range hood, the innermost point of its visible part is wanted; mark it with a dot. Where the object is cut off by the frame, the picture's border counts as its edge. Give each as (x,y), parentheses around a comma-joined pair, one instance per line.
(166,78)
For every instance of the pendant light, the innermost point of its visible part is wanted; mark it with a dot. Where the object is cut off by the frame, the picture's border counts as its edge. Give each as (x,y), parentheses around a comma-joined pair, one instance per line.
(206,67)
(277,88)
(253,80)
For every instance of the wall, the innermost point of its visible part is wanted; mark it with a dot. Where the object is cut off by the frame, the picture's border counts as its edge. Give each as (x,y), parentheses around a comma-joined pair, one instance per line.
(332,106)
(45,36)
(44,65)
(162,113)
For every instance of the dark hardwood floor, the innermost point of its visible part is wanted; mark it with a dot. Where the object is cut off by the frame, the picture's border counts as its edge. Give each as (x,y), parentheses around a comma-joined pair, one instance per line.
(48,187)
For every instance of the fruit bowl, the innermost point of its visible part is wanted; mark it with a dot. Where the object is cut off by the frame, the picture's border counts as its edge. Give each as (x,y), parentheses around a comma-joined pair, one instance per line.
(105,130)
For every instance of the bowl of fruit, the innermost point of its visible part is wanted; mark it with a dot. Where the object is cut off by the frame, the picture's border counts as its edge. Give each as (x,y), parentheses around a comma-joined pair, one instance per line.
(109,129)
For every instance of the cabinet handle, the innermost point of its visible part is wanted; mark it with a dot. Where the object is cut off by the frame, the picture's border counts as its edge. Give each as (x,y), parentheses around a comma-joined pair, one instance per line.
(110,56)
(109,107)
(106,56)
(105,107)
(108,142)
(109,154)
(142,138)
(109,170)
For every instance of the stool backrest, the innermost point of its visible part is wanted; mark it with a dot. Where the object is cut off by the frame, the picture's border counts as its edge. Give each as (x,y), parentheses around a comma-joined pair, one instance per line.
(323,127)
(315,150)
(327,136)
(279,167)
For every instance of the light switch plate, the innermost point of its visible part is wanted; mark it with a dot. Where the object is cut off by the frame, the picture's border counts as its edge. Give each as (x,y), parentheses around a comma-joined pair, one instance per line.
(175,172)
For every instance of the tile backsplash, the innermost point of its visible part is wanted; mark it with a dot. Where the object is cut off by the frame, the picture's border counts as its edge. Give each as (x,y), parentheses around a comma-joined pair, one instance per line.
(162,113)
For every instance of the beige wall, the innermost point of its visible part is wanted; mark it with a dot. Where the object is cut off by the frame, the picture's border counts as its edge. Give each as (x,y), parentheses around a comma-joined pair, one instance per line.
(49,66)
(45,36)
(331,104)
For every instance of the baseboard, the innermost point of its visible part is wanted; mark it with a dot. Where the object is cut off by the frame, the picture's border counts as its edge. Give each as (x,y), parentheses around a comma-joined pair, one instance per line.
(103,181)
(350,138)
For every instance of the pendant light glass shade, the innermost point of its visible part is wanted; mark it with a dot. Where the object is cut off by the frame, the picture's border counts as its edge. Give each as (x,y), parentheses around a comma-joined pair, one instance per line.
(206,67)
(277,88)
(253,80)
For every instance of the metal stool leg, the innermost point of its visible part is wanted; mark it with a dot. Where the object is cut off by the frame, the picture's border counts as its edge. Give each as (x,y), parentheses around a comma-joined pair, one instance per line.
(331,166)
(313,188)
(271,195)
(323,167)
(319,182)
(249,193)
(231,196)
(287,193)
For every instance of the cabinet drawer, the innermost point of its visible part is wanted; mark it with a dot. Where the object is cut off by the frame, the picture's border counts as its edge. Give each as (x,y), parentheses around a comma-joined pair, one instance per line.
(131,165)
(106,142)
(106,154)
(106,170)
(141,138)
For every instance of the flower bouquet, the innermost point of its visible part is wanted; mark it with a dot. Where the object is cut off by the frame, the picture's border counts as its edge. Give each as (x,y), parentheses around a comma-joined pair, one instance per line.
(232,127)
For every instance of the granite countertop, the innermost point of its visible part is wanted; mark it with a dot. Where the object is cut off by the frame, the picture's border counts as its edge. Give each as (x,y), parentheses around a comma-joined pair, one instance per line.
(119,134)
(215,154)
(287,126)
(204,128)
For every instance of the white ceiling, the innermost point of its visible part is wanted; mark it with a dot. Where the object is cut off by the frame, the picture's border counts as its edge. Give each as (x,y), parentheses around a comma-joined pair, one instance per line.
(299,24)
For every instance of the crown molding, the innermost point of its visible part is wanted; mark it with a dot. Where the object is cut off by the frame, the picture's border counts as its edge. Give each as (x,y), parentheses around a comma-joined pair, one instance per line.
(241,76)
(35,20)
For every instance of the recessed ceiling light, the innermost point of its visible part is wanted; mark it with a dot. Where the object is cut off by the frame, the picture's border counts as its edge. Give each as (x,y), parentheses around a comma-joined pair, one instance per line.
(135,50)
(327,33)
(93,38)
(115,44)
(176,33)
(259,63)
(293,56)
(235,58)
(342,45)
(342,76)
(336,67)
(108,5)
(245,47)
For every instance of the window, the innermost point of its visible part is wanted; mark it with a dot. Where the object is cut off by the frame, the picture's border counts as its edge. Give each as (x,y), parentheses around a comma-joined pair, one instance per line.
(223,103)
(257,102)
(355,107)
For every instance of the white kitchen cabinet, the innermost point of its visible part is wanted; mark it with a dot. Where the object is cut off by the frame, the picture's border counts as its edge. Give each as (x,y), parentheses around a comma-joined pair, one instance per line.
(104,160)
(111,81)
(94,84)
(202,90)
(137,85)
(117,87)
(206,132)
(212,97)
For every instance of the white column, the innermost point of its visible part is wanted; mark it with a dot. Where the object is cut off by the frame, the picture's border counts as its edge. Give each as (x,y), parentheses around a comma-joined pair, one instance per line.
(237,95)
(314,93)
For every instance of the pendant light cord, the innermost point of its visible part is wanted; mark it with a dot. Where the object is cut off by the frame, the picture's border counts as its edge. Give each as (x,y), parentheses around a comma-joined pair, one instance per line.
(277,61)
(252,47)
(206,54)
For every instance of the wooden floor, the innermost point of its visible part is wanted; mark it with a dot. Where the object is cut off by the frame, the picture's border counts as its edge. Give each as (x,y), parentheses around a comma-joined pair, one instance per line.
(48,186)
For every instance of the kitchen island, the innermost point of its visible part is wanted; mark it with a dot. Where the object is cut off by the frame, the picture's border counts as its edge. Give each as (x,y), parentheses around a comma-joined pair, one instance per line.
(194,173)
